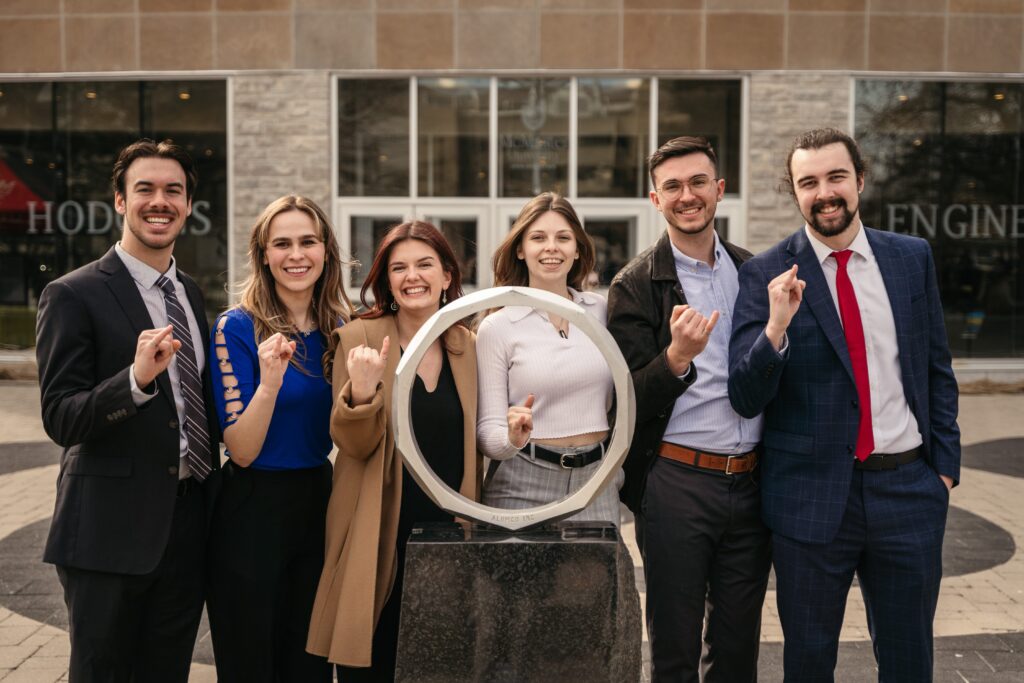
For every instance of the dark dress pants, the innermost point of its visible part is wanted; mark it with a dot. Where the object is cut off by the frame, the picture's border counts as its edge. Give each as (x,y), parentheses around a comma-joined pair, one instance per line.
(266,555)
(706,556)
(891,536)
(141,627)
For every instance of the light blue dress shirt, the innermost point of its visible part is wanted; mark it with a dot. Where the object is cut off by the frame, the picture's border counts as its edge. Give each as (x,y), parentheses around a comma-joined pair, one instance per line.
(702,417)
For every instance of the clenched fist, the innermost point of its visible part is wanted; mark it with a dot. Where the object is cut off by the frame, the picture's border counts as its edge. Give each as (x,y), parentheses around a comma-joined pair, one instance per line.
(366,369)
(690,334)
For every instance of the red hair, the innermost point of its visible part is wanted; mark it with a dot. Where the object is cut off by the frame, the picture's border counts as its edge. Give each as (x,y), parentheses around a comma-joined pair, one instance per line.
(377,279)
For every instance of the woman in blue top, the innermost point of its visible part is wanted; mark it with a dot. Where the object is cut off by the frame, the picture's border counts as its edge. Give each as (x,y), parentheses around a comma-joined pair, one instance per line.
(274,353)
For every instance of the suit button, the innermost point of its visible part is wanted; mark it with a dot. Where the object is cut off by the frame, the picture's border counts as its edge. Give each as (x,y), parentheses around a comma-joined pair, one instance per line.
(849,449)
(173,469)
(661,416)
(853,403)
(173,424)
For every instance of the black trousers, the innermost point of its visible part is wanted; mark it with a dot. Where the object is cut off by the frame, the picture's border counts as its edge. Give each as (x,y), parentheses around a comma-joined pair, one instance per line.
(706,559)
(141,627)
(266,555)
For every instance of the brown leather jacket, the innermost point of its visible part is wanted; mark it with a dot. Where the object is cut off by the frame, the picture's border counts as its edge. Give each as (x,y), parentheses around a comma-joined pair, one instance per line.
(640,301)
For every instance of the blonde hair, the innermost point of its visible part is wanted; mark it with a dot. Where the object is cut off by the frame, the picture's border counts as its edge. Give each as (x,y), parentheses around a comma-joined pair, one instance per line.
(330,305)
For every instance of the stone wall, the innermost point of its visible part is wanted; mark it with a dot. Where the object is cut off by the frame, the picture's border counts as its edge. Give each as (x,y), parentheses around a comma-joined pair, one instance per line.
(281,128)
(153,35)
(783,105)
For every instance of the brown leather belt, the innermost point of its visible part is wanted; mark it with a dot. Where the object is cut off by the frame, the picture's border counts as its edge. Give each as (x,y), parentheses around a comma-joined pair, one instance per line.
(729,464)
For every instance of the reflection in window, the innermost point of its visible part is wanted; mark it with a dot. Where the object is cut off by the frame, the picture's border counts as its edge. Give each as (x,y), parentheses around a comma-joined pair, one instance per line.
(707,108)
(614,244)
(947,164)
(461,235)
(614,129)
(453,133)
(366,233)
(373,137)
(58,142)
(533,136)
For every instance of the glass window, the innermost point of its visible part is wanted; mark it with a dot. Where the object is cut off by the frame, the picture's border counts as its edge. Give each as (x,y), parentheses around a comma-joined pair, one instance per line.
(614,244)
(707,108)
(373,137)
(461,235)
(613,132)
(533,136)
(453,127)
(58,142)
(946,163)
(365,234)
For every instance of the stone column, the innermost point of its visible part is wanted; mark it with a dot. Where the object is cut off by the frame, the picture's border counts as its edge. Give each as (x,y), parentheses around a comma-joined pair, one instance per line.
(783,105)
(280,129)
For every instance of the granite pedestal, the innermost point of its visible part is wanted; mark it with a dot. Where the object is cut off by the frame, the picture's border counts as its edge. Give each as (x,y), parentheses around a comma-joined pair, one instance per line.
(552,604)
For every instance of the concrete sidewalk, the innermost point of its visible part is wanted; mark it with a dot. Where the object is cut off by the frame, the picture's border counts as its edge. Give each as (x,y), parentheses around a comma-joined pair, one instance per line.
(979,627)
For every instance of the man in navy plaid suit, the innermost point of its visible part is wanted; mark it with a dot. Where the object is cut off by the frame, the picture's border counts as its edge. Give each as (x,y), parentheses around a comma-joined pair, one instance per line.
(838,338)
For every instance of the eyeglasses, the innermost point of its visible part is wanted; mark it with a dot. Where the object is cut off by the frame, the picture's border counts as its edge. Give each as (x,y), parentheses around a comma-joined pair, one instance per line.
(673,189)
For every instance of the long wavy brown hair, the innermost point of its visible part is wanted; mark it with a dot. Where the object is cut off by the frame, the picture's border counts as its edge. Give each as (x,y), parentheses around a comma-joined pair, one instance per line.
(330,306)
(377,278)
(510,270)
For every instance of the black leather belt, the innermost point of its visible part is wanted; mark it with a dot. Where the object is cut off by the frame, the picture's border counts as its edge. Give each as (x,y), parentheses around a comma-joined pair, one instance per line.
(186,486)
(887,461)
(566,460)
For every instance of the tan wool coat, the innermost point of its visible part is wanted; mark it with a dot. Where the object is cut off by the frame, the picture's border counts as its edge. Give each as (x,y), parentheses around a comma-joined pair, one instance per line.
(362,516)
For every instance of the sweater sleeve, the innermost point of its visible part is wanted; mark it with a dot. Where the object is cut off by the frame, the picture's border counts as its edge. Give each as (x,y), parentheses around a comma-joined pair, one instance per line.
(493,354)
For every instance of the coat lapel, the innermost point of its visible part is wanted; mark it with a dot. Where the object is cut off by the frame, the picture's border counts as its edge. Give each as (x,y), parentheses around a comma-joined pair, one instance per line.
(817,296)
(891,265)
(126,293)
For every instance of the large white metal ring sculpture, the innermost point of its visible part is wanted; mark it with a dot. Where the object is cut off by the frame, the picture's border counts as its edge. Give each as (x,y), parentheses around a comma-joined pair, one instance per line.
(451,501)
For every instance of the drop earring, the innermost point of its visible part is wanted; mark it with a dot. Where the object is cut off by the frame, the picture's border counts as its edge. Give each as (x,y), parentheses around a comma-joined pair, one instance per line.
(444,298)
(394,306)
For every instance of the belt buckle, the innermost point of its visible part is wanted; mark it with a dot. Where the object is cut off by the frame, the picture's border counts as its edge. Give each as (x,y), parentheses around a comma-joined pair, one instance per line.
(562,458)
(728,464)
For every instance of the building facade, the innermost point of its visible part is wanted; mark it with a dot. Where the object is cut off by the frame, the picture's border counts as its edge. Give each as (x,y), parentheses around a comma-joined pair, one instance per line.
(457,111)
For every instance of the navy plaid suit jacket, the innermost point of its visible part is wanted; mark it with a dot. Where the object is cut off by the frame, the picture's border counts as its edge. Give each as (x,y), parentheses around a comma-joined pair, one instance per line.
(808,396)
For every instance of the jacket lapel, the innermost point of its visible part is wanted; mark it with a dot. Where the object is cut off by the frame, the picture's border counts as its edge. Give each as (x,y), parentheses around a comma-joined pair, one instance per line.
(126,293)
(664,267)
(817,296)
(891,265)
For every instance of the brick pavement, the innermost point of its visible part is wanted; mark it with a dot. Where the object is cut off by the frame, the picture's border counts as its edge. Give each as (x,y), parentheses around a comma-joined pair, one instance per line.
(979,627)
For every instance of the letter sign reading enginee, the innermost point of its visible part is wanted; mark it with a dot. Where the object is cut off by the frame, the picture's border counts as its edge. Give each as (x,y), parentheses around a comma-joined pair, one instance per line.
(451,501)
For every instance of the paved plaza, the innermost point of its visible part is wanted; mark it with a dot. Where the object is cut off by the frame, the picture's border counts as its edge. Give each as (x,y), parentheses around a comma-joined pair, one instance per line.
(979,627)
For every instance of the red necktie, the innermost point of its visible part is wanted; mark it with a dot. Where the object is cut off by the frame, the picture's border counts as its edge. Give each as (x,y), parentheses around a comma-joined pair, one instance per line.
(854,331)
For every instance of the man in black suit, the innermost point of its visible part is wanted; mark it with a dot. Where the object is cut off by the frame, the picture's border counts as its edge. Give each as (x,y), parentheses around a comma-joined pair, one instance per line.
(120,345)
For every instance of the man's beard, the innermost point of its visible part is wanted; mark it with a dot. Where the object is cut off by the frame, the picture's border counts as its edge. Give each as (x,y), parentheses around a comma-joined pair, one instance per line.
(845,218)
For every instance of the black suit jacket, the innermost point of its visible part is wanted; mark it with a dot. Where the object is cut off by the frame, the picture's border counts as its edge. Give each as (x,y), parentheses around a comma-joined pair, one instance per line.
(118,479)
(640,302)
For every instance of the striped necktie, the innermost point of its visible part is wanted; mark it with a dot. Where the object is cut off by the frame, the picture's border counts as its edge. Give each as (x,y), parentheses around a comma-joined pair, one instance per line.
(198,456)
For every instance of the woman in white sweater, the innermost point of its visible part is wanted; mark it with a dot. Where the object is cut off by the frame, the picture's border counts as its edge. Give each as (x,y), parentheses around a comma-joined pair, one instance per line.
(544,388)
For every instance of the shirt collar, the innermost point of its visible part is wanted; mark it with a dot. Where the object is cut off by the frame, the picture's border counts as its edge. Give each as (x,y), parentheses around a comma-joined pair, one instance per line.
(517,313)
(684,262)
(859,245)
(143,273)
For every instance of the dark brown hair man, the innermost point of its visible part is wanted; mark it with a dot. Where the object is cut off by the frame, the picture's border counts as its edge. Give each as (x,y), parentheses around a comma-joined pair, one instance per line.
(839,340)
(120,344)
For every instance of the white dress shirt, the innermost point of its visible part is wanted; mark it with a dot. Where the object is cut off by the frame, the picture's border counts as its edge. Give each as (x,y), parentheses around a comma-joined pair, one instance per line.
(892,422)
(145,277)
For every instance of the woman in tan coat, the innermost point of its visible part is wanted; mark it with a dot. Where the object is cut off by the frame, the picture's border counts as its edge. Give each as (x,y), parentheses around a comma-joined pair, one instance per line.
(373,506)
